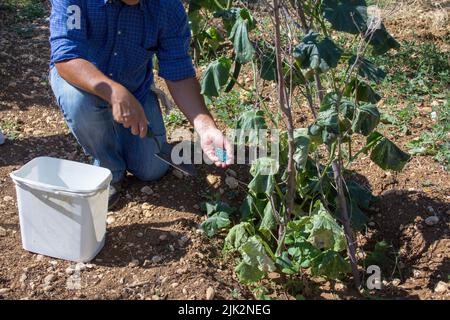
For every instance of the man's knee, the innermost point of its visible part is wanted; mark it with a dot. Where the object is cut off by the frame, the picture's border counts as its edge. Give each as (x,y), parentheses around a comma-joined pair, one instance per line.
(155,171)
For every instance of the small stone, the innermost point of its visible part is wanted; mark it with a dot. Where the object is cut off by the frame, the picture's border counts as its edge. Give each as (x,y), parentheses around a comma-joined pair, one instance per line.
(70,270)
(39,257)
(8,199)
(80,266)
(212,179)
(174,285)
(432,220)
(184,291)
(155,297)
(396,282)
(274,275)
(371,224)
(49,279)
(162,237)
(231,182)
(139,234)
(90,266)
(147,190)
(196,207)
(181,270)
(110,220)
(231,173)
(4,290)
(134,263)
(146,206)
(210,293)
(23,277)
(156,259)
(178,174)
(200,231)
(441,287)
(47,288)
(3,232)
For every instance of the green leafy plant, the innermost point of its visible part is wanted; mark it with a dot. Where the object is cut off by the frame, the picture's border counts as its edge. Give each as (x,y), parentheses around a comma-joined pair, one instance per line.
(301,211)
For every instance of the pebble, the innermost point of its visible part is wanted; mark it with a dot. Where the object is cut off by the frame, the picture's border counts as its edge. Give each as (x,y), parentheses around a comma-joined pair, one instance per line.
(49,279)
(39,257)
(2,232)
(80,266)
(156,259)
(134,263)
(441,287)
(196,207)
(184,291)
(212,179)
(110,220)
(174,285)
(8,199)
(139,235)
(146,206)
(432,220)
(147,190)
(178,174)
(4,290)
(396,282)
(210,293)
(231,182)
(371,224)
(155,297)
(181,270)
(162,237)
(70,270)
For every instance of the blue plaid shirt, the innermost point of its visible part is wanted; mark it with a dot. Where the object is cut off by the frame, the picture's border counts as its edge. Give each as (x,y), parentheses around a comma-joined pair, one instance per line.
(120,40)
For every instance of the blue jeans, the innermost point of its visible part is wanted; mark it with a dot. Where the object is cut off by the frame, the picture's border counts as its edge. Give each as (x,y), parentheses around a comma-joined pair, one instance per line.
(110,144)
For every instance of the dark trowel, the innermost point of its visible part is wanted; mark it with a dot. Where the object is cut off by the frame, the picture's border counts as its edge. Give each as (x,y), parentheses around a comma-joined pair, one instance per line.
(165,155)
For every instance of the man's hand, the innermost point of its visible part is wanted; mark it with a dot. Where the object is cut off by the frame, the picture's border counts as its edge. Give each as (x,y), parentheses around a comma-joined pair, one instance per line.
(211,139)
(127,110)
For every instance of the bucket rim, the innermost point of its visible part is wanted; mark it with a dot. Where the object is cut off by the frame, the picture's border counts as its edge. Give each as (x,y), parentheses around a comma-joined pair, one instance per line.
(59,190)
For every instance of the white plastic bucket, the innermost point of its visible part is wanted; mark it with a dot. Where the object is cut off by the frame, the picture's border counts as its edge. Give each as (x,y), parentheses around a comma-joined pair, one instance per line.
(62,207)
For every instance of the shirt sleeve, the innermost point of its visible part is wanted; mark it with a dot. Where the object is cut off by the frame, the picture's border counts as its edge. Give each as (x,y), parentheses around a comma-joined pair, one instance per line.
(174,60)
(68,34)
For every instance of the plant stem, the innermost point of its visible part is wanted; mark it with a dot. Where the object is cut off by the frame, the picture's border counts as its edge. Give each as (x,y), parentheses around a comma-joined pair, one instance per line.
(351,244)
(290,170)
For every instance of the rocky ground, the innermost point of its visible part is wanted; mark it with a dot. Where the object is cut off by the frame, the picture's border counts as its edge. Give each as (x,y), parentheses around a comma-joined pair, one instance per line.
(154,247)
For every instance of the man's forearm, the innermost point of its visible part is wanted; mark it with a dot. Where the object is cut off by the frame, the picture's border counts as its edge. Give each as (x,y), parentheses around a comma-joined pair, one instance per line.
(186,94)
(84,75)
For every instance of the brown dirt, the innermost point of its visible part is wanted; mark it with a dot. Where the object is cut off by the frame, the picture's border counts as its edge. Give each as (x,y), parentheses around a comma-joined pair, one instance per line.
(190,263)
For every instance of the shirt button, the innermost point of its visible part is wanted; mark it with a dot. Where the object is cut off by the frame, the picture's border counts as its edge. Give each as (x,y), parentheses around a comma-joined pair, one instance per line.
(110,74)
(119,32)
(115,53)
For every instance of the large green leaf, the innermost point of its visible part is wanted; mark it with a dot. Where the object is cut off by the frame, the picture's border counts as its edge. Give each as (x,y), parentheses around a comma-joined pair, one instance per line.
(248,273)
(217,206)
(268,222)
(238,235)
(263,171)
(366,119)
(368,70)
(361,91)
(388,156)
(248,126)
(216,222)
(346,15)
(330,264)
(253,206)
(268,65)
(239,35)
(382,41)
(215,76)
(326,127)
(325,232)
(312,53)
(303,253)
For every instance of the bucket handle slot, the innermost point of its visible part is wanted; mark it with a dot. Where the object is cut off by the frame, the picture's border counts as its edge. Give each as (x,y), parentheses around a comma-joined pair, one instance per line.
(59,191)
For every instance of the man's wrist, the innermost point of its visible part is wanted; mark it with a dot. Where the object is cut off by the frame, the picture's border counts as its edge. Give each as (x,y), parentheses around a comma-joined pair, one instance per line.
(203,123)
